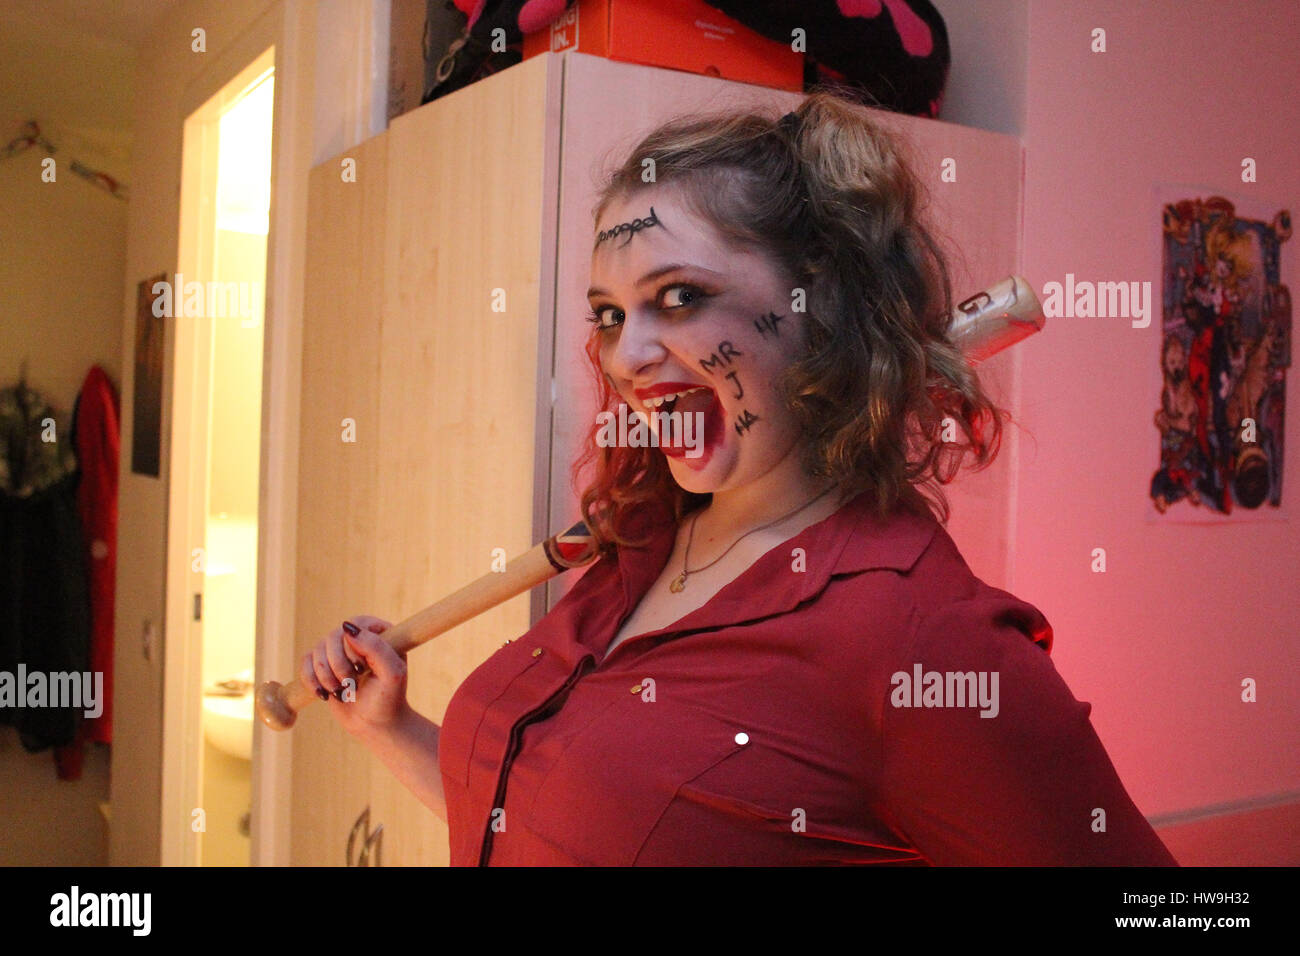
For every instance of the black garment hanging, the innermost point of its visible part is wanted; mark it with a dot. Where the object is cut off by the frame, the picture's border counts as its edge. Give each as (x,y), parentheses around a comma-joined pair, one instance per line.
(44,600)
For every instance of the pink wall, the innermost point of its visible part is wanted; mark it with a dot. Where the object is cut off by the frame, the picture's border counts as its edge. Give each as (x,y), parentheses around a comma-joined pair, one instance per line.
(1160,642)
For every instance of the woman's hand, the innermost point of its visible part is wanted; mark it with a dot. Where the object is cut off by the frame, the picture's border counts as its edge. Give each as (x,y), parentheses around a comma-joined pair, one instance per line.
(365,708)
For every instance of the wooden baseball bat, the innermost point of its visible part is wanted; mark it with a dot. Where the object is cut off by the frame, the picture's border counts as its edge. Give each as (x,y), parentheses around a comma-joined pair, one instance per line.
(982,325)
(278,704)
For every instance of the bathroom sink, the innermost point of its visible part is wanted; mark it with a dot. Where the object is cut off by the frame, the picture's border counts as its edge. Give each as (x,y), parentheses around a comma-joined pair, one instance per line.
(228,724)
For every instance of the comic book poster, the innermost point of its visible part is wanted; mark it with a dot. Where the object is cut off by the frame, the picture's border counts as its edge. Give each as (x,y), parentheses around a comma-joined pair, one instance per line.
(1225,346)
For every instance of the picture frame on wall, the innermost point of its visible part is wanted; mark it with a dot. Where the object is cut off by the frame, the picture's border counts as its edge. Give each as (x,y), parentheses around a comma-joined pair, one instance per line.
(146,416)
(1225,347)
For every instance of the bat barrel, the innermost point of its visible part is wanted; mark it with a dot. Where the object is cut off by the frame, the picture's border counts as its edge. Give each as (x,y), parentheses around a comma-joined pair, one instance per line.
(996,318)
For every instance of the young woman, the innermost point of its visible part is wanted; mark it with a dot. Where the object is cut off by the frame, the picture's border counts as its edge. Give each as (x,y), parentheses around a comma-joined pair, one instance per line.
(781,656)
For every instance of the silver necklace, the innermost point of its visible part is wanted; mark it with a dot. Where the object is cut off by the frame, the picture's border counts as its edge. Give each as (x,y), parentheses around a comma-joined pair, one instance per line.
(678,583)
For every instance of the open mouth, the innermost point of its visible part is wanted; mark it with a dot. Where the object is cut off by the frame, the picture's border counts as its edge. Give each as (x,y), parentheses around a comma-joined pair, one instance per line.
(668,401)
(696,428)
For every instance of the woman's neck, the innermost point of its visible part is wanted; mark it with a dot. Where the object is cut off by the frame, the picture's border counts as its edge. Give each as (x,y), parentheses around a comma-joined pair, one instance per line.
(787,486)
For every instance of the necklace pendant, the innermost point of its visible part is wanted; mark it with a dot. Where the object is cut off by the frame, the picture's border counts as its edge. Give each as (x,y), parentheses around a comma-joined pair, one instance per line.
(678,583)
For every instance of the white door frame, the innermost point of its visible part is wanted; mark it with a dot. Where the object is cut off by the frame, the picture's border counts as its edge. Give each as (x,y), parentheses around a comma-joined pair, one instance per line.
(289,28)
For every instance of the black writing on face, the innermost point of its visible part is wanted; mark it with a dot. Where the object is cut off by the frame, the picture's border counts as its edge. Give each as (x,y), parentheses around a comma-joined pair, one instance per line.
(735,379)
(744,420)
(631,228)
(723,356)
(768,324)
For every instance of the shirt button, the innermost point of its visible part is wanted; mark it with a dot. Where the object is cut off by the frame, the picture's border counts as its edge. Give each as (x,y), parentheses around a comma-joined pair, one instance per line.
(742,738)
(537,652)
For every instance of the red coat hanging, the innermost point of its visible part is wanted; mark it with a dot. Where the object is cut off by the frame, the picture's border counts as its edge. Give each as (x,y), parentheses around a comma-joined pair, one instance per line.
(98,442)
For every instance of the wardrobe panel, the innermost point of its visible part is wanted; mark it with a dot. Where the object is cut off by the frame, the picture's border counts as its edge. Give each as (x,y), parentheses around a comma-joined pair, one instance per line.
(459,386)
(338,479)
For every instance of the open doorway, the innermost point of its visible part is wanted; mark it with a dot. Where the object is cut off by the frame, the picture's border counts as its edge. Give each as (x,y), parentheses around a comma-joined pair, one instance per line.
(217,303)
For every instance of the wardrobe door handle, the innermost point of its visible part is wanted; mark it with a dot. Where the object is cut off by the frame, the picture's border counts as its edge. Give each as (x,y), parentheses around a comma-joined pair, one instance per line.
(363,822)
(376,839)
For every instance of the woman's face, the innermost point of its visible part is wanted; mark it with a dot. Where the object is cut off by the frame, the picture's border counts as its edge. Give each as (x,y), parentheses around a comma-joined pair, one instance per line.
(679,310)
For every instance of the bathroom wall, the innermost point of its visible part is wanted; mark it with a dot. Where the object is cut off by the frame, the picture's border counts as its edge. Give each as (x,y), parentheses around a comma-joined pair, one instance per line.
(230,588)
(237,381)
(230,597)
(226,782)
(230,581)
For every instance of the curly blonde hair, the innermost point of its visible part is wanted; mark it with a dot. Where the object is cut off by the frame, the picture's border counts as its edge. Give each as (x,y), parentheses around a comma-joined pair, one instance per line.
(831,199)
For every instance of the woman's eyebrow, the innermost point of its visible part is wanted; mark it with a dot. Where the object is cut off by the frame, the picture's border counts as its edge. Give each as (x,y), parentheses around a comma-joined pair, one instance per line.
(651,276)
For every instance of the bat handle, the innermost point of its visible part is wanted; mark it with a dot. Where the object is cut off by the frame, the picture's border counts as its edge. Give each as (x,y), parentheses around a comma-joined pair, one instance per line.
(278,705)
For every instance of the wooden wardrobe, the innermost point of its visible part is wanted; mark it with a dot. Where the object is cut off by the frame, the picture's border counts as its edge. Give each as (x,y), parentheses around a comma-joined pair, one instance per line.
(446,267)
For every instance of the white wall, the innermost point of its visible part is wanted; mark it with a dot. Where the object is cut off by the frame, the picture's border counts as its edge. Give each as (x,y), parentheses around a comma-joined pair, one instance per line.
(60,287)
(60,310)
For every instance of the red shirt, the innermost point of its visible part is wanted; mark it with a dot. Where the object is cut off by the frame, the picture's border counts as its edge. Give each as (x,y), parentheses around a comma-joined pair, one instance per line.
(773,737)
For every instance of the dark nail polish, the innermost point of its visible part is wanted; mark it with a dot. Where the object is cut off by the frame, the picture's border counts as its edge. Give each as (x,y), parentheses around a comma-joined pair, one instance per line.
(338,695)
(322,693)
(358,667)
(351,628)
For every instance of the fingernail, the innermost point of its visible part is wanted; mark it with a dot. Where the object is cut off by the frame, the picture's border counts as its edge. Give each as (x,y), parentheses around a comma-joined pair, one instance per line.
(351,628)
(338,695)
(357,667)
(322,693)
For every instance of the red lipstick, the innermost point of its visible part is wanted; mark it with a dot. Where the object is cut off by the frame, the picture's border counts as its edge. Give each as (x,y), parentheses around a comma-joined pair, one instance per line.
(664,388)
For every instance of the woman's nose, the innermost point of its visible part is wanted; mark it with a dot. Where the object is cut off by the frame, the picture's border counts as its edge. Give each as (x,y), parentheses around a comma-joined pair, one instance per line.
(636,346)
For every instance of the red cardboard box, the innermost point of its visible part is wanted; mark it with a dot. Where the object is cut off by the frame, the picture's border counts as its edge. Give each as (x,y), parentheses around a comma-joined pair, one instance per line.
(685,35)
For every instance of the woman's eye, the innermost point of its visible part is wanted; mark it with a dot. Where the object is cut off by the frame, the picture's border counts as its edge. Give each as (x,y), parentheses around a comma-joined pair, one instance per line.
(689,291)
(671,297)
(597,317)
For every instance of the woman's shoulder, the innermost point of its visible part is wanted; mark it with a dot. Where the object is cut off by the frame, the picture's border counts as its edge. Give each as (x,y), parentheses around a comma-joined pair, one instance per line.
(956,607)
(924,597)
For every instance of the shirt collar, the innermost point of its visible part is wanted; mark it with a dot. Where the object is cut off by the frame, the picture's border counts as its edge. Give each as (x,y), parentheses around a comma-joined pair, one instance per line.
(854,538)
